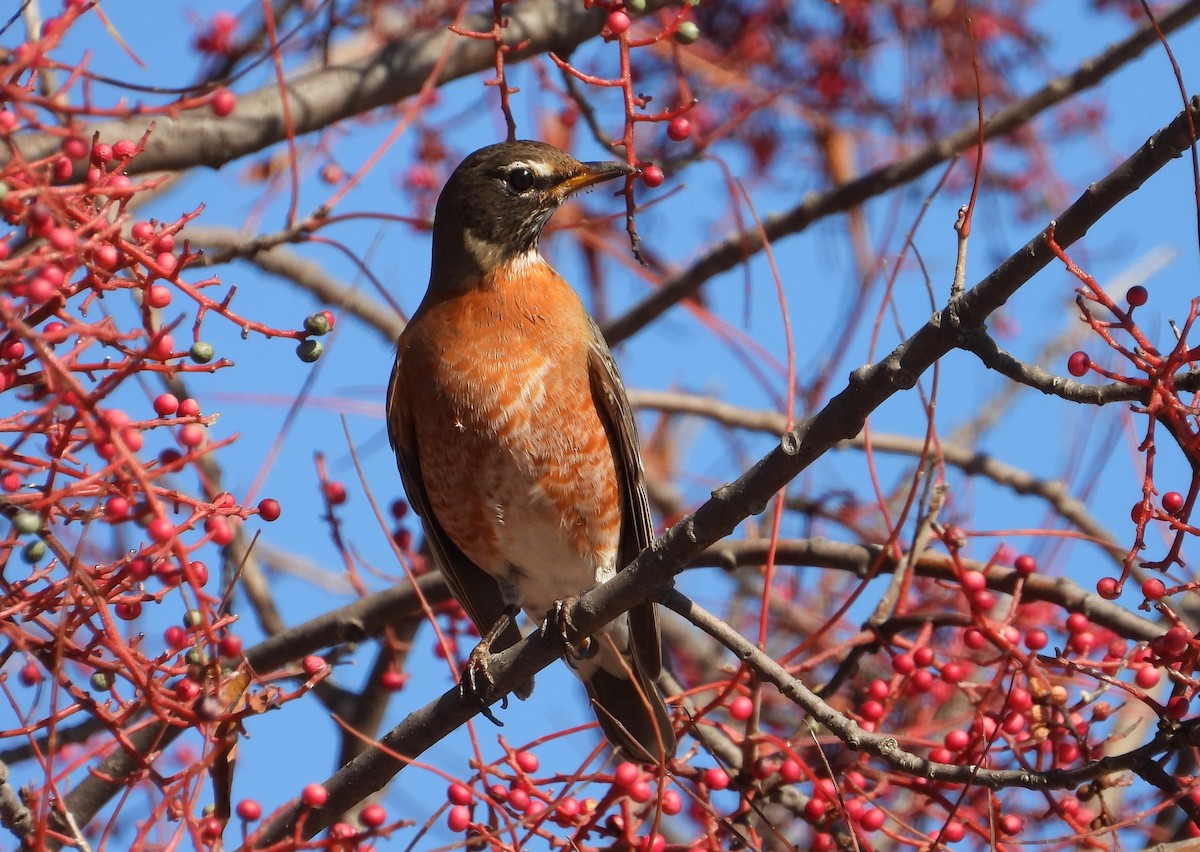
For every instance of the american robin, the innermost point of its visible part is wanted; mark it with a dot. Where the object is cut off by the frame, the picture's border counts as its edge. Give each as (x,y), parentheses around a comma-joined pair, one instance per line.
(515,439)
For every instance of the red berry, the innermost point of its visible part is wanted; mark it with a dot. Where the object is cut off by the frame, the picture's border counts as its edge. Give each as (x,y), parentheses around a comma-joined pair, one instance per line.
(269,510)
(399,509)
(954,831)
(789,771)
(459,794)
(1025,564)
(74,147)
(1147,677)
(1108,588)
(373,816)
(249,810)
(716,778)
(872,820)
(314,795)
(1172,502)
(1020,699)
(124,148)
(618,22)
(219,530)
(1153,589)
(30,674)
(653,176)
(189,408)
(128,610)
(1011,824)
(175,637)
(626,775)
(1177,707)
(61,238)
(192,435)
(158,296)
(1078,364)
(116,509)
(973,581)
(1036,640)
(974,639)
(741,708)
(679,129)
(671,803)
(518,799)
(230,646)
(903,664)
(953,672)
(160,530)
(1077,622)
(392,680)
(526,761)
(458,819)
(335,493)
(872,711)
(923,656)
(101,153)
(223,102)
(1136,296)
(165,405)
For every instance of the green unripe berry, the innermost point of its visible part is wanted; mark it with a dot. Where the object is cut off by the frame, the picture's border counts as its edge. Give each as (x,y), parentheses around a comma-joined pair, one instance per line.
(192,619)
(687,33)
(201,352)
(27,523)
(102,681)
(309,350)
(33,552)
(635,6)
(196,657)
(317,323)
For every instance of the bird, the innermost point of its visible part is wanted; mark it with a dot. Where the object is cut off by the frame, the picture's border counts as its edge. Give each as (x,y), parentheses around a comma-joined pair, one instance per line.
(515,440)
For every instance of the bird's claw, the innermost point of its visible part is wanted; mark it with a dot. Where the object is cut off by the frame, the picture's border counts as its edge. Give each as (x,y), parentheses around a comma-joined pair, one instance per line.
(476,684)
(558,627)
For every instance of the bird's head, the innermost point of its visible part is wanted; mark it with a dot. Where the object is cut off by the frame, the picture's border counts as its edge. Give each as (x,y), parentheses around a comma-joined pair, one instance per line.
(493,208)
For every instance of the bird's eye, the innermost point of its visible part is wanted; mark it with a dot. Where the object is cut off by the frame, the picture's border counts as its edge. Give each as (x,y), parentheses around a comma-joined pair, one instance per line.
(520,179)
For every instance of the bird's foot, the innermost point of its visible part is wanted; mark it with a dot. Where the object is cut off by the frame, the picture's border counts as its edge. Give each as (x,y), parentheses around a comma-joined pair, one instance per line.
(558,628)
(477,685)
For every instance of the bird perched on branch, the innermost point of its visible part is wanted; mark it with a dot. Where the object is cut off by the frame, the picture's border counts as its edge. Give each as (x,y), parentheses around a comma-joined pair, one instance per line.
(515,440)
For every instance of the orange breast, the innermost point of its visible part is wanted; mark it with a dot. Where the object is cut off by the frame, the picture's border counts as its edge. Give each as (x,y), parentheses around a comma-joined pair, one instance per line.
(514,456)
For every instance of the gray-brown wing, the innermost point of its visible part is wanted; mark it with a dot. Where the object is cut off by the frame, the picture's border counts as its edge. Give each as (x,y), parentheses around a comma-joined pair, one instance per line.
(473,587)
(637,527)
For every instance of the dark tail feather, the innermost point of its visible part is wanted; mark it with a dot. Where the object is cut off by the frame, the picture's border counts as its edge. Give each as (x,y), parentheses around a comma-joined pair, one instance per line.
(634,720)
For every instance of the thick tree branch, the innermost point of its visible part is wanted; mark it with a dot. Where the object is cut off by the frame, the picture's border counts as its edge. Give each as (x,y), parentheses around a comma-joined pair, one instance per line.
(323,97)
